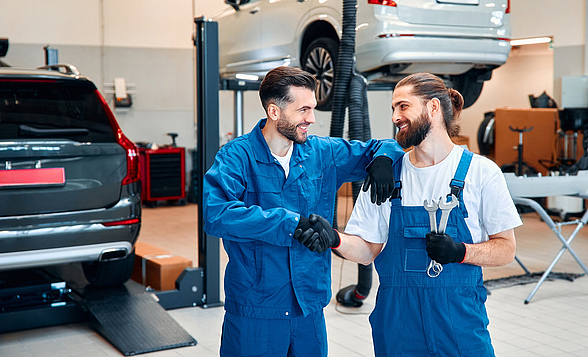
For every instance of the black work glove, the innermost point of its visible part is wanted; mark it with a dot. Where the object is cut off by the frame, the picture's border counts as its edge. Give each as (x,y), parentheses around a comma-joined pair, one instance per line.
(327,234)
(443,249)
(310,239)
(306,235)
(320,236)
(380,179)
(303,224)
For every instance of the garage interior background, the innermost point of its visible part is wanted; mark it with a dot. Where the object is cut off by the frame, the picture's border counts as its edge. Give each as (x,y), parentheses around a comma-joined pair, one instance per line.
(149,44)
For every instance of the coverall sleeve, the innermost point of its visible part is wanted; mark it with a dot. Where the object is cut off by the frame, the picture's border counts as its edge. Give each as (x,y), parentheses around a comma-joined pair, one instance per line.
(353,158)
(226,215)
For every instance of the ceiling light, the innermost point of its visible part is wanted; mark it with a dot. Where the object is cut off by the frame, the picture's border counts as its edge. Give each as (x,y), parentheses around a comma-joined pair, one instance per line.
(530,41)
(247,77)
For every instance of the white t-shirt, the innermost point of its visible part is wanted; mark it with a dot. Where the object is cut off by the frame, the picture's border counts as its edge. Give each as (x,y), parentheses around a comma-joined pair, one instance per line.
(486,197)
(285,160)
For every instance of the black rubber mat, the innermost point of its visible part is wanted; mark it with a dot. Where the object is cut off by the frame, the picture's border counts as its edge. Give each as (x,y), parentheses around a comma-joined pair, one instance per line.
(136,323)
(527,279)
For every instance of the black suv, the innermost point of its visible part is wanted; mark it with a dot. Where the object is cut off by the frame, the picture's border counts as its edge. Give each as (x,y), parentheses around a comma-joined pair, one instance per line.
(69,177)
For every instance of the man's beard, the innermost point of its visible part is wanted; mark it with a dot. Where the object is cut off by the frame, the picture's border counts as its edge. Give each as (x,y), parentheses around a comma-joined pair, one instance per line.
(290,131)
(416,132)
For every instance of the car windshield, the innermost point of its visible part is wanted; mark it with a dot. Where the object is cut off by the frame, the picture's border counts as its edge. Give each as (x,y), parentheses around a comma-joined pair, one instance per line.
(44,108)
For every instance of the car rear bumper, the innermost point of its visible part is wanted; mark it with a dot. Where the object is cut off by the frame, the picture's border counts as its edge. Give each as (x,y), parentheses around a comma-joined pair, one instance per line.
(65,237)
(46,257)
(460,54)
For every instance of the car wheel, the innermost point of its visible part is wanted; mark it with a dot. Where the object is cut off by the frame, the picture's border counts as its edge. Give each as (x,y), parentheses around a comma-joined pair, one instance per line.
(320,59)
(109,273)
(470,85)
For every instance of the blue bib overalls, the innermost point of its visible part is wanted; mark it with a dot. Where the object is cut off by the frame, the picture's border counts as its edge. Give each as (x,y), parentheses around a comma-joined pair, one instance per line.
(416,315)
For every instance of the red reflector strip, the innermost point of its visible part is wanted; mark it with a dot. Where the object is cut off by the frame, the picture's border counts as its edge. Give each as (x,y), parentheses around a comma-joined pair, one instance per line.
(121,223)
(32,177)
(387,35)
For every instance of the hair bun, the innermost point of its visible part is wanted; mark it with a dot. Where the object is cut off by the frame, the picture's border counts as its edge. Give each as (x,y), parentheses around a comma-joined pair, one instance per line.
(456,99)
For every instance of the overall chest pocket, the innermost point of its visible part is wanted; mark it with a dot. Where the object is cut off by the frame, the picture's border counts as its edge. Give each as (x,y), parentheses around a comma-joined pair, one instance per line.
(266,192)
(416,258)
(312,190)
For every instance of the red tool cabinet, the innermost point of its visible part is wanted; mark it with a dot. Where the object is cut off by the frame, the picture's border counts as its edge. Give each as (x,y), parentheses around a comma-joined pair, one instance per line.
(163,175)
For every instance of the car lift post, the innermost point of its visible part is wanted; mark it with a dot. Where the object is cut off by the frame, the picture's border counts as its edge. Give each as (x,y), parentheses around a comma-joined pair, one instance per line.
(207,107)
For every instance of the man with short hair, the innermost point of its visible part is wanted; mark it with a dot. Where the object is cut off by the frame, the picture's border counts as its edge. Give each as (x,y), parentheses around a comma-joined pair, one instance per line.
(261,188)
(431,296)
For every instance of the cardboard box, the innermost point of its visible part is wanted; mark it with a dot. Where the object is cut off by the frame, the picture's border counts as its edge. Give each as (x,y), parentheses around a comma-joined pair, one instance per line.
(538,143)
(143,250)
(157,268)
(345,190)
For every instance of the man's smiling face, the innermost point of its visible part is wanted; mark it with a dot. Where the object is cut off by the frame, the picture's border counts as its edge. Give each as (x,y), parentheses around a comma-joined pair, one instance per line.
(297,116)
(410,116)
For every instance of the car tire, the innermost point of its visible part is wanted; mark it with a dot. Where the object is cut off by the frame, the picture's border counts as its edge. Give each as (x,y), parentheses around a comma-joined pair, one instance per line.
(470,85)
(320,60)
(109,273)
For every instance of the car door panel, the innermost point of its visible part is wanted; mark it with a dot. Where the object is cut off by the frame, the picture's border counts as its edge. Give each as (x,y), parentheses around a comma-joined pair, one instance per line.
(241,45)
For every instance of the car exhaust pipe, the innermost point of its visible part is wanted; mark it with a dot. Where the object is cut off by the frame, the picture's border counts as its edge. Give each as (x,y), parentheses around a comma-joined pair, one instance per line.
(112,254)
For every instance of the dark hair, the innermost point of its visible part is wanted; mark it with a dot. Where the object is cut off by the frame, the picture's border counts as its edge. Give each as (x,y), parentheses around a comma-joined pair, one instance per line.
(275,87)
(428,86)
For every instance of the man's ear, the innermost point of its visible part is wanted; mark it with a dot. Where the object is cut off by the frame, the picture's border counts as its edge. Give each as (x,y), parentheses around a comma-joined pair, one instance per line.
(273,112)
(434,106)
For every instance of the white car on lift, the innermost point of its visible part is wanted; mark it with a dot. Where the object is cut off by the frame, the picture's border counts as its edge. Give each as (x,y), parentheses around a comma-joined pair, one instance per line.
(462,41)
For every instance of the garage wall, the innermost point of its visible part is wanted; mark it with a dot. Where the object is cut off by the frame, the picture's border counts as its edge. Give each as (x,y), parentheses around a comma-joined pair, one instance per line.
(562,19)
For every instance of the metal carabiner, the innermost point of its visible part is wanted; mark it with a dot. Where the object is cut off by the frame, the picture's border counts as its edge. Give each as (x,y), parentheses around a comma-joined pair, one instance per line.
(434,269)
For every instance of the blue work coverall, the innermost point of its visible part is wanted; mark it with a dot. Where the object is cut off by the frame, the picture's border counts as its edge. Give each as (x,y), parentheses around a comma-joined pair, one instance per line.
(254,208)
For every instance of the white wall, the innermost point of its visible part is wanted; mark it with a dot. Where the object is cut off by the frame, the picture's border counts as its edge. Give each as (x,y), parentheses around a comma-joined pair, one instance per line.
(56,22)
(562,19)
(127,23)
(148,23)
(208,8)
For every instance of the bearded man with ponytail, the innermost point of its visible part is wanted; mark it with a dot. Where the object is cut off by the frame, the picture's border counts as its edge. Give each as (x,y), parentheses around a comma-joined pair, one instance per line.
(422,311)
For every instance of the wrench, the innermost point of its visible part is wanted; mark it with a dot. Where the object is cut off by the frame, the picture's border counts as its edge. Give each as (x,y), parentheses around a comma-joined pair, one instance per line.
(432,208)
(434,268)
(446,207)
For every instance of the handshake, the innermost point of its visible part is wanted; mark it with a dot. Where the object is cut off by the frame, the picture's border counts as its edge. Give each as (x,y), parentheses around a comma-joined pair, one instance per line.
(317,234)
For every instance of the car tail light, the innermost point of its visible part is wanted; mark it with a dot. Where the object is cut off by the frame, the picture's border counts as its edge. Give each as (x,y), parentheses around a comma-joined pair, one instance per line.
(382,2)
(133,173)
(132,158)
(507,11)
(121,223)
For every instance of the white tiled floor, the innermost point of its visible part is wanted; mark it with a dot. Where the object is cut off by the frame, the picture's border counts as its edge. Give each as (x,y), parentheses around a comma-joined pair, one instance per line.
(554,323)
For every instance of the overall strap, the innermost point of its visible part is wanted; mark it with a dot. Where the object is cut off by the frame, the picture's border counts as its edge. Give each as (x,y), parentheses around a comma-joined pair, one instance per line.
(458,182)
(397,184)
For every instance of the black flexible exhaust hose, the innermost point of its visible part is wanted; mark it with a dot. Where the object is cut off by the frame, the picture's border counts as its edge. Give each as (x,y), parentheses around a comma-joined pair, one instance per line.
(359,129)
(356,98)
(344,68)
